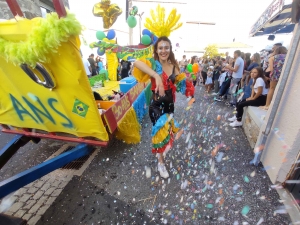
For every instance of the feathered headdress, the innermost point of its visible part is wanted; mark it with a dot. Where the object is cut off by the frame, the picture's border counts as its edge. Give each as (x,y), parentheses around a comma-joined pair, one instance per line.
(161,27)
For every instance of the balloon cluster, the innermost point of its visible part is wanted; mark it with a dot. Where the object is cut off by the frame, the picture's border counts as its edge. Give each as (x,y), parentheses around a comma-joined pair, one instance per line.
(111,34)
(131,20)
(193,69)
(148,37)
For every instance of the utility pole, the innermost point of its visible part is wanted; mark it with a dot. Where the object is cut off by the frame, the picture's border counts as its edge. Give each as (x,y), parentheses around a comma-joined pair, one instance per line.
(128,8)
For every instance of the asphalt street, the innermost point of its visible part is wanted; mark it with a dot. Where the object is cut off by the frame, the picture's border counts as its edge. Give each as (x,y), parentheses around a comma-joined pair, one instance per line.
(211,181)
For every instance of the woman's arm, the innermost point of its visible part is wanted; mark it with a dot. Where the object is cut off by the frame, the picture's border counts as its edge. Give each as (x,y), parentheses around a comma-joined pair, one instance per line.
(146,69)
(259,92)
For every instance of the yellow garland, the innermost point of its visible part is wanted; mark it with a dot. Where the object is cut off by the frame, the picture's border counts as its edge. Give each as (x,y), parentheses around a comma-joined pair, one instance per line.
(44,38)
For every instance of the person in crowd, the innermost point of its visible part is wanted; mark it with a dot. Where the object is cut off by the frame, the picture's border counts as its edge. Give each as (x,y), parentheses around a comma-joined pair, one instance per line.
(236,75)
(211,62)
(125,68)
(247,60)
(258,96)
(227,57)
(266,67)
(194,59)
(209,82)
(183,63)
(225,81)
(255,62)
(100,64)
(275,67)
(216,74)
(93,64)
(204,69)
(161,109)
(87,67)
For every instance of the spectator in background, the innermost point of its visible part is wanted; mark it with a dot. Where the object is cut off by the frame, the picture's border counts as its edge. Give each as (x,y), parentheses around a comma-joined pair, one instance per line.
(247,60)
(125,68)
(100,64)
(216,74)
(183,63)
(227,57)
(87,67)
(255,62)
(267,58)
(204,70)
(236,75)
(93,64)
(258,96)
(276,63)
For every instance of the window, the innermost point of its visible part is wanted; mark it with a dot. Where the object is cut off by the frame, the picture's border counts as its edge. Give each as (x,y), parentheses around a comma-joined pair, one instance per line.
(44,11)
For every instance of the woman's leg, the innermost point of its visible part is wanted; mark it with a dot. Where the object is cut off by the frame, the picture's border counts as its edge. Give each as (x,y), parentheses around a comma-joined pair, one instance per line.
(270,94)
(261,100)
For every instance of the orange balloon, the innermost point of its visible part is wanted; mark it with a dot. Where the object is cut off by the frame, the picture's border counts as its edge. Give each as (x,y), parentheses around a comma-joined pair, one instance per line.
(195,67)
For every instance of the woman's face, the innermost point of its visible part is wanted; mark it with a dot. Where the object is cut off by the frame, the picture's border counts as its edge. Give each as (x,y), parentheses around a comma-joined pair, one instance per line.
(252,58)
(254,73)
(163,50)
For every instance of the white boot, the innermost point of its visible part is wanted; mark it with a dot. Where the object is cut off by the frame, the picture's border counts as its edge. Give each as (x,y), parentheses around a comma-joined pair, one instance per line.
(163,171)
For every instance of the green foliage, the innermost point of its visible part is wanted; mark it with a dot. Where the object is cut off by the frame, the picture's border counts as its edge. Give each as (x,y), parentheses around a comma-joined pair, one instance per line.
(212,51)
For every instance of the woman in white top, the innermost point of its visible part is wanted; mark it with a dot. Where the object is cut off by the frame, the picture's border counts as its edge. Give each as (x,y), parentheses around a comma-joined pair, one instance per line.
(258,97)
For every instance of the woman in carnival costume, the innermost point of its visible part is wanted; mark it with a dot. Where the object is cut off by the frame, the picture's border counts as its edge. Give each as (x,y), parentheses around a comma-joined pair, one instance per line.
(163,71)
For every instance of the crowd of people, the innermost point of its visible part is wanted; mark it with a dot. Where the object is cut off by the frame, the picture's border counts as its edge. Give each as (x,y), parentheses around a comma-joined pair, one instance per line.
(250,80)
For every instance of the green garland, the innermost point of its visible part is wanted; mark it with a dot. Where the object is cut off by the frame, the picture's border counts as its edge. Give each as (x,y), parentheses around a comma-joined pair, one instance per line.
(44,38)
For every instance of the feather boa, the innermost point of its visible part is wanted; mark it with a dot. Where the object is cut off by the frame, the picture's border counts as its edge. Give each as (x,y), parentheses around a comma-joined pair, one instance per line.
(44,38)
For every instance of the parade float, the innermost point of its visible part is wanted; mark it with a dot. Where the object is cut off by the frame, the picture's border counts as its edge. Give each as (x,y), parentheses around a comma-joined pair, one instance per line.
(45,92)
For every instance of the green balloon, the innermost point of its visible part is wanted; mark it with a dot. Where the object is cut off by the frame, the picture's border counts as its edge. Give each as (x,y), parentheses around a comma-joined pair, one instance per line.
(131,21)
(190,68)
(146,40)
(100,35)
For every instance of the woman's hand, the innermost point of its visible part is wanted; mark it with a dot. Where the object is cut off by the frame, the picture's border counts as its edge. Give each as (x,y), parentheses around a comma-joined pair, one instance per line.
(249,99)
(159,86)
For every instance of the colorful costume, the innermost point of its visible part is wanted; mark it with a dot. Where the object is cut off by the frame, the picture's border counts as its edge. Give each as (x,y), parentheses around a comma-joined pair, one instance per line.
(162,108)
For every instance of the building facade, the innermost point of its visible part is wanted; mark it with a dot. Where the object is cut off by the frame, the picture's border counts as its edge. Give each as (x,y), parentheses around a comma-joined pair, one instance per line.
(30,8)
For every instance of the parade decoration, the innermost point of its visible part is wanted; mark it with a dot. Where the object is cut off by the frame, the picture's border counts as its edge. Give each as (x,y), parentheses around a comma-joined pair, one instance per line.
(134,10)
(111,34)
(161,27)
(39,42)
(146,40)
(195,68)
(189,68)
(131,21)
(100,35)
(109,12)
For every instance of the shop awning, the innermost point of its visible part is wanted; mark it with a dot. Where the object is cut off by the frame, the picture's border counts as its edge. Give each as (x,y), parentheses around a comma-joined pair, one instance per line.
(276,19)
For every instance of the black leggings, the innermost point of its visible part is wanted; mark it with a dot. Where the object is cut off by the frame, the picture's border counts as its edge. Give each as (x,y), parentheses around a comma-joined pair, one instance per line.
(204,76)
(260,101)
(161,105)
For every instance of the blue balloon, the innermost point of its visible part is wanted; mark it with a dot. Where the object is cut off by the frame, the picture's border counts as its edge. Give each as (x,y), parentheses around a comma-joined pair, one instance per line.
(111,34)
(146,32)
(99,52)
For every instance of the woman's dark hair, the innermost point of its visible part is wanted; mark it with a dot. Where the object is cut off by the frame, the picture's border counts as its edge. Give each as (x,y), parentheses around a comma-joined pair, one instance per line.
(280,50)
(171,56)
(247,56)
(260,73)
(193,60)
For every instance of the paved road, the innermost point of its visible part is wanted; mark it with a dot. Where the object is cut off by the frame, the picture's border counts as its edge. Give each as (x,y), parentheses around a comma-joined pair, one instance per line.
(114,189)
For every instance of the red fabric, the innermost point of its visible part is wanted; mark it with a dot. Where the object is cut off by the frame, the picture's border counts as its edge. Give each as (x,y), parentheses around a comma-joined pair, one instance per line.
(190,89)
(167,84)
(162,149)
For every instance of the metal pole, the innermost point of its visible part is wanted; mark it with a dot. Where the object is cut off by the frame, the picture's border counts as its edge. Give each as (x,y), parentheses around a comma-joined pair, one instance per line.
(130,29)
(284,77)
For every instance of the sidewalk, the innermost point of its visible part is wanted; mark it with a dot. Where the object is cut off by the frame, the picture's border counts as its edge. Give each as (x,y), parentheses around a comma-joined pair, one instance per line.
(202,189)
